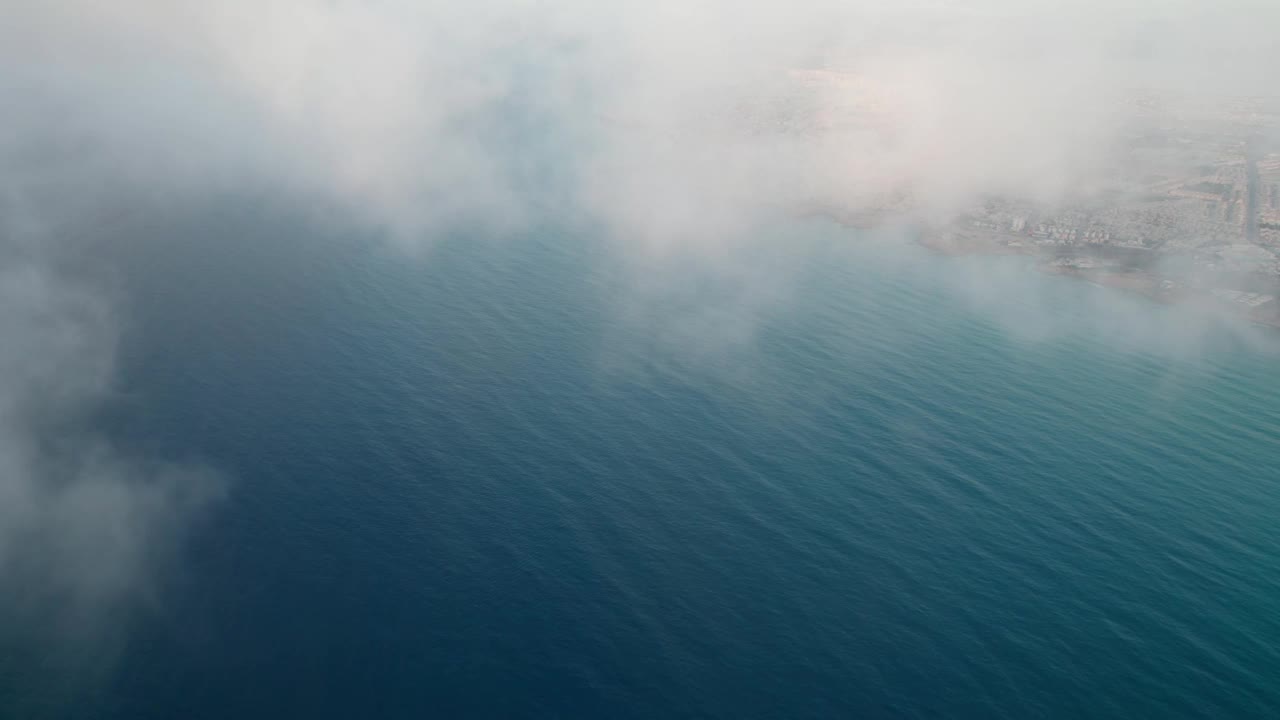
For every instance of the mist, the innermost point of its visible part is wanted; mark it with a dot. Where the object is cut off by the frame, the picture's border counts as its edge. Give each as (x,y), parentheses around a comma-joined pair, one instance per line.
(675,129)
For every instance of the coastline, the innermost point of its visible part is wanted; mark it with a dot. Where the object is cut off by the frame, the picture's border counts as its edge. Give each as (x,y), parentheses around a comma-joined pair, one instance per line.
(1146,285)
(1138,282)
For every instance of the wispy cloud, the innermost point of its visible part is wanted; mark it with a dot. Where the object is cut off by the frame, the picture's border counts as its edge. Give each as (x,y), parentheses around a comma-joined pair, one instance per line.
(689,122)
(83,523)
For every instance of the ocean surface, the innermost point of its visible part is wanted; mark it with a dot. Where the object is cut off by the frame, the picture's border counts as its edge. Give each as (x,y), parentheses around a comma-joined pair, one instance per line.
(514,478)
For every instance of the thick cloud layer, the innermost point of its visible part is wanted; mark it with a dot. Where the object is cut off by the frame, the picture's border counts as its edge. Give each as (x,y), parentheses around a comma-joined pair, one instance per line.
(390,106)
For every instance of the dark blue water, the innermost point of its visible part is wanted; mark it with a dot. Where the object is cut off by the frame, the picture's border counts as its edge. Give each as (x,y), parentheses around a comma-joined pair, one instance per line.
(502,481)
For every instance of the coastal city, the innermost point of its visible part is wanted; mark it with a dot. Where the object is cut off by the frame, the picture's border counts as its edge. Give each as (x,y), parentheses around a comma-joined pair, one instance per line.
(1207,230)
(1188,209)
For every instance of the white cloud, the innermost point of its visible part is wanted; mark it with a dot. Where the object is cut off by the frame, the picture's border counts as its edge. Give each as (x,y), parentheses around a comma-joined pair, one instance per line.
(389,111)
(82,523)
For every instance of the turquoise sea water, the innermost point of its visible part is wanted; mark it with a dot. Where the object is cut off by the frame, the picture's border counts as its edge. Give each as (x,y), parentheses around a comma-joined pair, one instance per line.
(515,479)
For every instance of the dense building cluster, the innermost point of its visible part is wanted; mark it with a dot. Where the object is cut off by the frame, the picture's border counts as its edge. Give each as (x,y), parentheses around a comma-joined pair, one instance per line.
(1188,207)
(1200,207)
